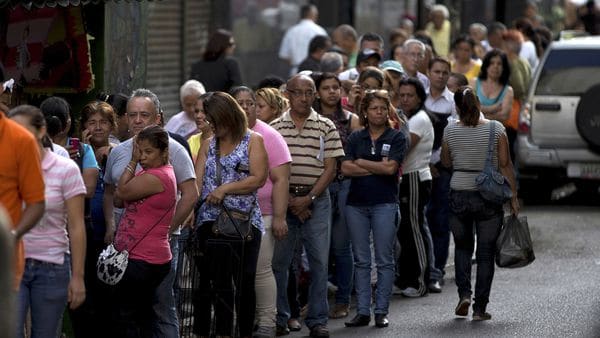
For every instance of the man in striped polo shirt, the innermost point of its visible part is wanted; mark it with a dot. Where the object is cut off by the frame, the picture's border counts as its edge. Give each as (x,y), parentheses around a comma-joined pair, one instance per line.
(314,144)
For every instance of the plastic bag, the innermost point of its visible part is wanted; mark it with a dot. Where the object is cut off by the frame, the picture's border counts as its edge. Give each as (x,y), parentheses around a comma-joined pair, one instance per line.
(514,248)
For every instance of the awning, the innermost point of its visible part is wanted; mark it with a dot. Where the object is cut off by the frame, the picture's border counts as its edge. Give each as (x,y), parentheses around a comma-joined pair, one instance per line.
(53,3)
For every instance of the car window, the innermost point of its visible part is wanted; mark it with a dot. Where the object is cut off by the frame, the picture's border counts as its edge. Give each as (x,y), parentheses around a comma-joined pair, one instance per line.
(569,72)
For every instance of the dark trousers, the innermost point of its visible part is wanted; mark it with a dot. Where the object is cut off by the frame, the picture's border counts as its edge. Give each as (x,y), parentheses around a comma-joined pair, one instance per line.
(467,210)
(133,297)
(511,134)
(412,263)
(437,218)
(88,320)
(224,266)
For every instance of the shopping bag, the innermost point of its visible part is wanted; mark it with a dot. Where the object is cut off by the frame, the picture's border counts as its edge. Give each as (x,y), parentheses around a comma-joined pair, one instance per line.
(514,248)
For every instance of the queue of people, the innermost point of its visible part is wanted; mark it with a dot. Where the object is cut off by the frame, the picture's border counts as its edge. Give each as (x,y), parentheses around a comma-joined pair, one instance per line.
(375,165)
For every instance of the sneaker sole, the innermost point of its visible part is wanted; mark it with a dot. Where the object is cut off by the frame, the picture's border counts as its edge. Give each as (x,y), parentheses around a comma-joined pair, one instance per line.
(463,308)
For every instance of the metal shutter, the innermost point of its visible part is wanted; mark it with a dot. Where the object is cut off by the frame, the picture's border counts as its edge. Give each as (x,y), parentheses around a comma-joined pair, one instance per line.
(164,50)
(197,21)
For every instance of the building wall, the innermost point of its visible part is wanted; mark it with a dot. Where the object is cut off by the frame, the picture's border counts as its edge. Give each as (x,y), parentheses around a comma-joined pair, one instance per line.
(177,32)
(152,45)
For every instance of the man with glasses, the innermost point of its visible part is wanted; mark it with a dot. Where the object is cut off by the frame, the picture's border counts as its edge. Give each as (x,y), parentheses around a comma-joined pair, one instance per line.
(413,53)
(315,145)
(143,110)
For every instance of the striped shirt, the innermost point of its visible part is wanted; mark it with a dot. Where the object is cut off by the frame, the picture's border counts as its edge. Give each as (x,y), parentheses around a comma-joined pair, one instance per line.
(48,241)
(317,140)
(468,150)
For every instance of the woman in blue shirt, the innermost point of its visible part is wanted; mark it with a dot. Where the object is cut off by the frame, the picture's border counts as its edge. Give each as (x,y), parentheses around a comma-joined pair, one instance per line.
(373,157)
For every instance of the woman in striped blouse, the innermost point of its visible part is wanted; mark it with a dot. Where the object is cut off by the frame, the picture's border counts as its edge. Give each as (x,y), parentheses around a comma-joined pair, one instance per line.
(464,148)
(55,247)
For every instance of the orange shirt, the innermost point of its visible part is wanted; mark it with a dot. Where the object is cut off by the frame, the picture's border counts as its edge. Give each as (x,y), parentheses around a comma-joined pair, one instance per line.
(21,178)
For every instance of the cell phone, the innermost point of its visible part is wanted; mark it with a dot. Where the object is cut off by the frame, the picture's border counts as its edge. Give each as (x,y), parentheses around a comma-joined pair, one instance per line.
(74,142)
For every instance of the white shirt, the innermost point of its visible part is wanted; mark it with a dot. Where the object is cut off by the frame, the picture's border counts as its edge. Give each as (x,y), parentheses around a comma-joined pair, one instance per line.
(350,74)
(294,46)
(182,125)
(443,104)
(418,157)
(528,53)
(424,80)
(60,151)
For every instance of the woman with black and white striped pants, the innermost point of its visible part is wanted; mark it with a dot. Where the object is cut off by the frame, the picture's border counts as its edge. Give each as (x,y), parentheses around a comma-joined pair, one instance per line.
(415,189)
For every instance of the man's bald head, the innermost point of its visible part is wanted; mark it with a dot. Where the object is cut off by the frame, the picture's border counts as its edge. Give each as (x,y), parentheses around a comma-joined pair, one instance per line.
(298,79)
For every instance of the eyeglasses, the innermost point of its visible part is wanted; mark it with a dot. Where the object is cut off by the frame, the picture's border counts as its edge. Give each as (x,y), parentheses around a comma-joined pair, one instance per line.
(298,93)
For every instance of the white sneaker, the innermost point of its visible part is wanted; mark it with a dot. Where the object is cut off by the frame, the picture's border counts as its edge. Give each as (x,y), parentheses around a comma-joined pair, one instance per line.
(410,292)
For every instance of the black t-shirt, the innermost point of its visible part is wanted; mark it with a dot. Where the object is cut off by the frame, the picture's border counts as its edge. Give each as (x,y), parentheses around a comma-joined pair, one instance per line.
(375,189)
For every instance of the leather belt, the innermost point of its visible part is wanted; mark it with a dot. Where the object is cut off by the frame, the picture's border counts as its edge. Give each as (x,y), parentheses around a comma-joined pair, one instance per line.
(300,190)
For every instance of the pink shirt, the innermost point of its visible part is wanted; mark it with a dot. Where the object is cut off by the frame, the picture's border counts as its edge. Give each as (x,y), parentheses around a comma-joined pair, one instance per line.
(48,241)
(146,221)
(278,153)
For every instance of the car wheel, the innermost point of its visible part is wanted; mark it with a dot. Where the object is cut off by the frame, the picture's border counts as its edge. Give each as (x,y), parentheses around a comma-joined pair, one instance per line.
(587,117)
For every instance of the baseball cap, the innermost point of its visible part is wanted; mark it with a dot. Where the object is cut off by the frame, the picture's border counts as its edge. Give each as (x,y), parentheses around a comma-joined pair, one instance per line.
(367,53)
(392,65)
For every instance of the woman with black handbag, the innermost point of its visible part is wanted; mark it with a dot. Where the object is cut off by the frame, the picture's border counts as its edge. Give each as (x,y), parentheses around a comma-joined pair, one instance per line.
(230,168)
(465,150)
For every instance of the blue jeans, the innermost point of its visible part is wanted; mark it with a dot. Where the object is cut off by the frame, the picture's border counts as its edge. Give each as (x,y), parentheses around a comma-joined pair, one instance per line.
(467,210)
(381,222)
(314,234)
(437,218)
(43,290)
(166,324)
(340,241)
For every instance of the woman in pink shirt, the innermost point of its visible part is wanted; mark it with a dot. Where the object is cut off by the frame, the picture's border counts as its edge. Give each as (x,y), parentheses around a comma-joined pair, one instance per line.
(149,199)
(55,247)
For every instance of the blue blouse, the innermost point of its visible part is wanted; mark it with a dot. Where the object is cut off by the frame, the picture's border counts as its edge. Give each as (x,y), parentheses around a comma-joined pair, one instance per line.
(235,167)
(488,101)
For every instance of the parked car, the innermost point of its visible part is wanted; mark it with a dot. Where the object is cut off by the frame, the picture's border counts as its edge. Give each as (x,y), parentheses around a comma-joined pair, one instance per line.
(559,133)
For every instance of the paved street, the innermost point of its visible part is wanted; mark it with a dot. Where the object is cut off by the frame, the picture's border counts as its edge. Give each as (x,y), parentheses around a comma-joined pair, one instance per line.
(556,296)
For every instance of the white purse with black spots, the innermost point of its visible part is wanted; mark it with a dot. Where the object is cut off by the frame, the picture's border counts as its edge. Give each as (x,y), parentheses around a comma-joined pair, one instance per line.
(111,265)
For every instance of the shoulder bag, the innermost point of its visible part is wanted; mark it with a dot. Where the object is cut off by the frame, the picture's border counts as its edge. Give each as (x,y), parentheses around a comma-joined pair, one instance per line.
(492,185)
(231,223)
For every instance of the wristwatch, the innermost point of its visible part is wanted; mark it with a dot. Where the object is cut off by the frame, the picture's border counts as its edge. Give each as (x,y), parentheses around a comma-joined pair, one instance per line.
(312,196)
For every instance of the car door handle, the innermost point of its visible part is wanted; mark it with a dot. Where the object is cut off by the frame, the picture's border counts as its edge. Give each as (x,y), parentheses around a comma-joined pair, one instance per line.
(547,106)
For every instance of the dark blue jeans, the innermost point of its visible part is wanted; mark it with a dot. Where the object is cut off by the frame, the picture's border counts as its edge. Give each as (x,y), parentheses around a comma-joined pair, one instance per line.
(467,210)
(43,291)
(340,241)
(437,218)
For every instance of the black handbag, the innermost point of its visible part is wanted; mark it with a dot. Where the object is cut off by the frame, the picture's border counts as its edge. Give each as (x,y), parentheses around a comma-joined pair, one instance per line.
(234,224)
(492,185)
(231,223)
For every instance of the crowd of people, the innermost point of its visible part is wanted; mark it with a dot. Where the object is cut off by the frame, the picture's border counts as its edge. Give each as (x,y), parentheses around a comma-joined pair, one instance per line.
(353,172)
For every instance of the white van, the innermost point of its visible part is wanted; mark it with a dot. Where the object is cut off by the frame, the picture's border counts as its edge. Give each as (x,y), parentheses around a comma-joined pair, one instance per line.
(559,131)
